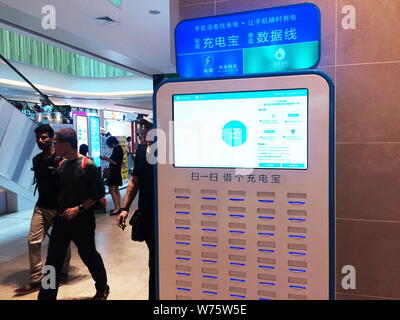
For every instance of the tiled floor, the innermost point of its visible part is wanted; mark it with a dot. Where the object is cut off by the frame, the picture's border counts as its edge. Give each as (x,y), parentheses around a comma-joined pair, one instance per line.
(125,260)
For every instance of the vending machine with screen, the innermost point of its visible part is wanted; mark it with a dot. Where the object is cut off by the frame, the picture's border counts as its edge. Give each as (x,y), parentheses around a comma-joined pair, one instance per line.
(244,199)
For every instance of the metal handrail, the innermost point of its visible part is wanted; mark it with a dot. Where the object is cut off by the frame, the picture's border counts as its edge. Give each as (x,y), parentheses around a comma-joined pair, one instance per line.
(42,95)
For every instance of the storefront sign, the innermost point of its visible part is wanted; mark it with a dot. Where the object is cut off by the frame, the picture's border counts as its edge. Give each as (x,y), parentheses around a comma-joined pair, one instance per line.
(81,127)
(124,168)
(94,138)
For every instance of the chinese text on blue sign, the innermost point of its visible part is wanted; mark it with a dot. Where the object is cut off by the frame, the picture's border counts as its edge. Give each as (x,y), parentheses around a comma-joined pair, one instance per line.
(267,40)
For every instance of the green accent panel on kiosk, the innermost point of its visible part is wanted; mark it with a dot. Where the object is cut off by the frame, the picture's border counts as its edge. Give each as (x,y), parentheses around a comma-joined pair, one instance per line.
(19,48)
(280,58)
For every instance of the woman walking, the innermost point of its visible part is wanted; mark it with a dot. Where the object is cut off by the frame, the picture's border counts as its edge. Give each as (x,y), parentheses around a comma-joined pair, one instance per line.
(115,178)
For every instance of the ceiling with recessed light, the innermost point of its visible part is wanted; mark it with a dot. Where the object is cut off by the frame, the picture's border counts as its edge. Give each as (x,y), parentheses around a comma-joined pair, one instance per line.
(139,40)
(134,35)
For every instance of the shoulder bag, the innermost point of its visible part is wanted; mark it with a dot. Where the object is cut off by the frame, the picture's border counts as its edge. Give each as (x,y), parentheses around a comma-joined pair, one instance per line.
(138,233)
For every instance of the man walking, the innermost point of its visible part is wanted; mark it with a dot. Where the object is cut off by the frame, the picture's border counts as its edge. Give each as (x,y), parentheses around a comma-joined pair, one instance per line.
(45,166)
(81,189)
(142,181)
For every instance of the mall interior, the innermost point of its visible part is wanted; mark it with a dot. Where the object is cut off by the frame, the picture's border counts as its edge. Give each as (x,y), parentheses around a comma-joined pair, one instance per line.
(65,62)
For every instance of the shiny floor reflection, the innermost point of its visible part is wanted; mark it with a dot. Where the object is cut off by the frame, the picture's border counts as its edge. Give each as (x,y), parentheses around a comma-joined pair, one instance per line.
(126,261)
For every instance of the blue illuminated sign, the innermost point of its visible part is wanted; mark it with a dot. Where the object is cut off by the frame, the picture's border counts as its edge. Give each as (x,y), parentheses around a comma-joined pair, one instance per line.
(260,41)
(94,138)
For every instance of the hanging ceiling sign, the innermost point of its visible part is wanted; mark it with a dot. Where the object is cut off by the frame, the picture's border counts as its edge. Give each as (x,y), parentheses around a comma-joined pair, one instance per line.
(260,41)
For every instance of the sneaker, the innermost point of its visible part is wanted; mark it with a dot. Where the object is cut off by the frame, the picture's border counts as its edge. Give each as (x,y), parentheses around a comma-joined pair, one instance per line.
(29,288)
(102,295)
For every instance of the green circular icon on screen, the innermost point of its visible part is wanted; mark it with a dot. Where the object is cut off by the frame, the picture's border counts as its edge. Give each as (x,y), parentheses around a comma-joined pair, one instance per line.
(234,133)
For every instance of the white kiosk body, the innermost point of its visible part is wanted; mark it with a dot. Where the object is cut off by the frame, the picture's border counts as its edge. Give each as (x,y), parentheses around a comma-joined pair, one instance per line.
(244,204)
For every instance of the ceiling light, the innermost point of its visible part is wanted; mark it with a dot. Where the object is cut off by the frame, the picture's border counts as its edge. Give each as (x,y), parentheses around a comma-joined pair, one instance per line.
(73,92)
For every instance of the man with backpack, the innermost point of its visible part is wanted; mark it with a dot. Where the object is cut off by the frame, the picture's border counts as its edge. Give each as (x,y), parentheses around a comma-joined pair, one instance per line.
(47,181)
(81,192)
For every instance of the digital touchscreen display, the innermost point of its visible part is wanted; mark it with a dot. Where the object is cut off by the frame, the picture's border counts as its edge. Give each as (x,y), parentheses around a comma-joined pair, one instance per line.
(252,129)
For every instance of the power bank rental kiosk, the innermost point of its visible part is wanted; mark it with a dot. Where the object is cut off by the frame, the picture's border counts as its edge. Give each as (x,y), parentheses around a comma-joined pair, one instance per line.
(245,202)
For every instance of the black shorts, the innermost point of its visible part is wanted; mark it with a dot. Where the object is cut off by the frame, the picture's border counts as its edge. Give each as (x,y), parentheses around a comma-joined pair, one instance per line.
(115,178)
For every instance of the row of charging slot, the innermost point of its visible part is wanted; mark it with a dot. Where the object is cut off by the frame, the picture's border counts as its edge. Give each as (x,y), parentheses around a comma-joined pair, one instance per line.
(213,288)
(263,295)
(211,226)
(237,260)
(237,229)
(240,196)
(240,244)
(241,260)
(296,216)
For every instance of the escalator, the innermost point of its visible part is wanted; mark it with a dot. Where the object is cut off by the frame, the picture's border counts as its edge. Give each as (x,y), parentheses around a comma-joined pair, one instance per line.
(17,148)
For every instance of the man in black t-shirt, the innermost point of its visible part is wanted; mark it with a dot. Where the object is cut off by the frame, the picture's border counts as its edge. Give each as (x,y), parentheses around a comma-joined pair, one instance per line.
(45,166)
(81,189)
(142,181)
